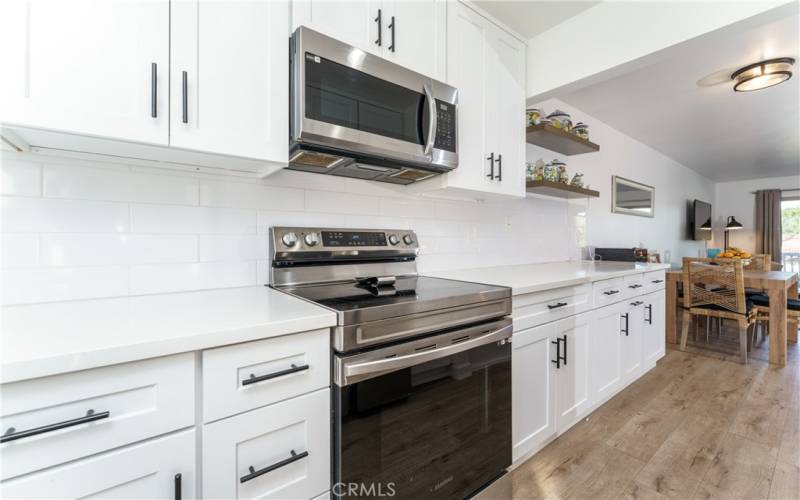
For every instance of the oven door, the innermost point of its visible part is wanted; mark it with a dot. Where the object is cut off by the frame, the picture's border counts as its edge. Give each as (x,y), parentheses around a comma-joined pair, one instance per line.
(351,101)
(429,418)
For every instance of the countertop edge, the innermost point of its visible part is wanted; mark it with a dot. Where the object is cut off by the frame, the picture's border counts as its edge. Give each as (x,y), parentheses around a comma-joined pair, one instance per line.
(73,362)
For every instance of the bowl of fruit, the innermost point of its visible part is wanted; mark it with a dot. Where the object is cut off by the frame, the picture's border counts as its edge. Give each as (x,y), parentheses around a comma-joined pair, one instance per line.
(735,254)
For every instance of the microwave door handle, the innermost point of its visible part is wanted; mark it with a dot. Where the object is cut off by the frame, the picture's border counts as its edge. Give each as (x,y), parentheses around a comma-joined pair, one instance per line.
(361,371)
(431,119)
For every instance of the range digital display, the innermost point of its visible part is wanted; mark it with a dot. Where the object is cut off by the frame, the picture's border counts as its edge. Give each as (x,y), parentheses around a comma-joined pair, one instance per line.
(353,239)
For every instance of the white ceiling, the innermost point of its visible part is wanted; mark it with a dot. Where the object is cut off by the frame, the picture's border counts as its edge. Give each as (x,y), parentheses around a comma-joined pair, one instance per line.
(531,17)
(683,103)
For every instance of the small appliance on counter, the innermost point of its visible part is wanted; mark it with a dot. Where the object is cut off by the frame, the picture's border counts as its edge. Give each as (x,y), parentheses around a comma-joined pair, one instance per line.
(421,392)
(354,114)
(621,254)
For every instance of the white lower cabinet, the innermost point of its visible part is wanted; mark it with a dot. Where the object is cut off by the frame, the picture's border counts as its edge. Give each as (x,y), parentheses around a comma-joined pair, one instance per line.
(155,469)
(572,396)
(532,414)
(279,451)
(606,346)
(653,340)
(631,340)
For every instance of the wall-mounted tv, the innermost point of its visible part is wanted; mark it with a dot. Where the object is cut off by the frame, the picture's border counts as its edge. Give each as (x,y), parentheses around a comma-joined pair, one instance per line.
(701,220)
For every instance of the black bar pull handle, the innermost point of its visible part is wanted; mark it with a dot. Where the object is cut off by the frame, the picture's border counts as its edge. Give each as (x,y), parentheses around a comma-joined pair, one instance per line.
(185,96)
(12,434)
(154,90)
(637,303)
(657,281)
(635,286)
(565,350)
(611,292)
(178,487)
(277,465)
(649,317)
(490,175)
(499,167)
(253,379)
(556,306)
(625,330)
(392,27)
(557,361)
(379,20)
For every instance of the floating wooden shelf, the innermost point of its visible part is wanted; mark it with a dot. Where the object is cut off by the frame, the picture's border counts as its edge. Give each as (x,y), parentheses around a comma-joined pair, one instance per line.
(559,189)
(555,139)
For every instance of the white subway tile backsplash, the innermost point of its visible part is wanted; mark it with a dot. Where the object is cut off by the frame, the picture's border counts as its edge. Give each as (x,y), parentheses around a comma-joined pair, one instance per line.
(267,218)
(21,178)
(191,220)
(44,215)
(234,247)
(97,231)
(116,249)
(163,278)
(341,203)
(29,285)
(242,195)
(19,250)
(114,184)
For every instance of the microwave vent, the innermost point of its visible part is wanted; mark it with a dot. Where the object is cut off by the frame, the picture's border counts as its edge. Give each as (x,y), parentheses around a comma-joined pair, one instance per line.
(313,160)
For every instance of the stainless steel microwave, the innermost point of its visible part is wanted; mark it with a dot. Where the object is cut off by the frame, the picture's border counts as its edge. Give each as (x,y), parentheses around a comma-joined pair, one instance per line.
(355,114)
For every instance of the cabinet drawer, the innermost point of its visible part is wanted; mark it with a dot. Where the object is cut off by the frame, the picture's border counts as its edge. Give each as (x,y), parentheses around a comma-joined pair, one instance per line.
(609,291)
(146,470)
(654,281)
(542,307)
(280,451)
(69,416)
(634,284)
(242,377)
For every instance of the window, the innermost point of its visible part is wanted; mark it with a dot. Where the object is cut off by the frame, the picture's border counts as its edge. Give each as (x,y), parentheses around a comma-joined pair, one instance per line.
(790,222)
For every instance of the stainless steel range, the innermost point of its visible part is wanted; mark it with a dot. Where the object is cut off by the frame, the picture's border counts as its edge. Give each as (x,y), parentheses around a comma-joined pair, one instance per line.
(421,365)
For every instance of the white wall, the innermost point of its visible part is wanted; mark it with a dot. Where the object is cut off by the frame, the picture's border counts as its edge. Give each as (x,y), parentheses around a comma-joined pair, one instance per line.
(611,34)
(624,156)
(73,230)
(735,198)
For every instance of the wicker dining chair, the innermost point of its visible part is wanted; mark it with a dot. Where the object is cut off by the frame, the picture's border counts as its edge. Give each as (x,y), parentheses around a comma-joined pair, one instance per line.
(716,290)
(761,305)
(760,262)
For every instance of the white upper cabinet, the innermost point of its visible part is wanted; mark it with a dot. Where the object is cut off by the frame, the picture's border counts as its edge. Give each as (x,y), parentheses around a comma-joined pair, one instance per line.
(229,77)
(94,67)
(408,32)
(487,66)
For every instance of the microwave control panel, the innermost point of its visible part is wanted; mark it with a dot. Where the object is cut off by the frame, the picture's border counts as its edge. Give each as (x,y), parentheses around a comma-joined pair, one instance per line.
(445,126)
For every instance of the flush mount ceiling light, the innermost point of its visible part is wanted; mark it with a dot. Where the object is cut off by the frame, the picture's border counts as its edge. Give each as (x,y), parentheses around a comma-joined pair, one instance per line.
(762,74)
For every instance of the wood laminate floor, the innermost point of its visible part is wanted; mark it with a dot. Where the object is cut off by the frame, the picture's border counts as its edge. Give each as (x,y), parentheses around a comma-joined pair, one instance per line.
(696,426)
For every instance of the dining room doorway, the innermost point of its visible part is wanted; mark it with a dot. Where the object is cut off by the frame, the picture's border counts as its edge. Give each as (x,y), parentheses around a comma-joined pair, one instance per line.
(790,223)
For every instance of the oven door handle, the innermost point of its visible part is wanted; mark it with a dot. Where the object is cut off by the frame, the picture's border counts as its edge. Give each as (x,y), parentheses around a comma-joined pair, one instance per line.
(356,372)
(432,118)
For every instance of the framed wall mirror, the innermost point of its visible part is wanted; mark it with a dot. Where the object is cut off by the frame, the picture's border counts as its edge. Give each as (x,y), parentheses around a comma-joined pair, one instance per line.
(632,198)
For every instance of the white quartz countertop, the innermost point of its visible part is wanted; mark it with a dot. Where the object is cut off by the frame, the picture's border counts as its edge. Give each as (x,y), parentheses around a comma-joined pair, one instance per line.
(527,278)
(46,339)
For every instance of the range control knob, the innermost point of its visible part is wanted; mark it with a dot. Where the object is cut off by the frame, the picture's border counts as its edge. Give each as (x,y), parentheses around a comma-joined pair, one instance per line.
(311,239)
(393,239)
(289,239)
(408,240)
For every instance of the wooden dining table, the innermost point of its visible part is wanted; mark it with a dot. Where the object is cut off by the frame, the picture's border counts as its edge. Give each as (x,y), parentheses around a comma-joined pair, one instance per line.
(779,286)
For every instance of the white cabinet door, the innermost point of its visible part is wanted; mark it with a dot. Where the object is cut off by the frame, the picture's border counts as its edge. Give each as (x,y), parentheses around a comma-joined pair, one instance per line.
(605,333)
(631,352)
(419,28)
(531,388)
(160,468)
(572,397)
(229,77)
(506,111)
(280,451)
(653,333)
(94,67)
(467,51)
(352,22)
